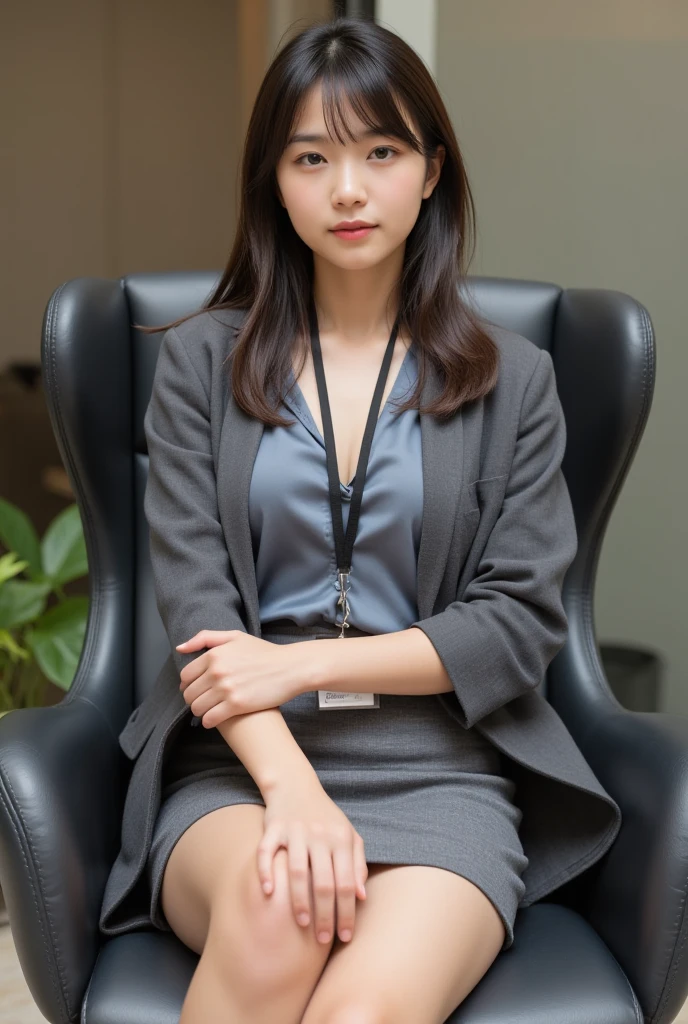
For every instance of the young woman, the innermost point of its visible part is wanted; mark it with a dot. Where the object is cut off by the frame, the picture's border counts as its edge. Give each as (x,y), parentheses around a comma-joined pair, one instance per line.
(340,448)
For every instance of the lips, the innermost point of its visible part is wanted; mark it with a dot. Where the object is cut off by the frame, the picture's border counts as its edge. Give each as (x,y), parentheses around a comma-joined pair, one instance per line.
(352,234)
(352,225)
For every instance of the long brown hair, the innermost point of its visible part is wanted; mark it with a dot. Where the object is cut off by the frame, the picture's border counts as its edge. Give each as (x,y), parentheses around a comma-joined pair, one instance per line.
(270,269)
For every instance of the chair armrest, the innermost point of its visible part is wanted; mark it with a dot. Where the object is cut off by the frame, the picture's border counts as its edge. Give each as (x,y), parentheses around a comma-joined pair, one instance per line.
(62,778)
(637,899)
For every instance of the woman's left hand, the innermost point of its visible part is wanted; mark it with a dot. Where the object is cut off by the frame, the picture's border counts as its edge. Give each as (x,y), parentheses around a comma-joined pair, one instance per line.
(241,673)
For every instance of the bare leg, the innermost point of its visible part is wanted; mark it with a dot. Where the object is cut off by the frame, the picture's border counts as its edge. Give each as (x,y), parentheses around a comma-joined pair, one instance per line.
(424,938)
(257,965)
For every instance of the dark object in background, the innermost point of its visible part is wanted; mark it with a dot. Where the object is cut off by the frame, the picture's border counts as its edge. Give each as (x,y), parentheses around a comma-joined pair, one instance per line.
(635,676)
(28,373)
(354,8)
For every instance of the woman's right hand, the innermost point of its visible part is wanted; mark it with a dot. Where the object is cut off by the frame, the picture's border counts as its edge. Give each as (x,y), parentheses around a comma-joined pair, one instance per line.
(300,816)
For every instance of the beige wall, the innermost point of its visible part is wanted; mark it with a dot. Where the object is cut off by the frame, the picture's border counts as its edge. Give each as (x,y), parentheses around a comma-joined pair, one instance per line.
(124,142)
(573,120)
(413,21)
(286,18)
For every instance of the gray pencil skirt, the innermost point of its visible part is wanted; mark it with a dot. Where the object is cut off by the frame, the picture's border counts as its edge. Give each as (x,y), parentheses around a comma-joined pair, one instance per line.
(416,785)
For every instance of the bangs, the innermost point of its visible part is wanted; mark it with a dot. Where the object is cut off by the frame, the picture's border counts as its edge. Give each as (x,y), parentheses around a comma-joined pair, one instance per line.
(370,98)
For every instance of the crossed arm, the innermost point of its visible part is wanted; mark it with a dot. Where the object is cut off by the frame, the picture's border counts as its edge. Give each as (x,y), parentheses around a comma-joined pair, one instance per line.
(404,663)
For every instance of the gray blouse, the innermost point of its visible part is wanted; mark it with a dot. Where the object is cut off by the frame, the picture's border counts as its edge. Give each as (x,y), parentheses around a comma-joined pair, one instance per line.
(291,519)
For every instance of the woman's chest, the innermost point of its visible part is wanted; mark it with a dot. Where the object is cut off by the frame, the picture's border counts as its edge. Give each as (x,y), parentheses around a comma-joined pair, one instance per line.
(350,386)
(289,487)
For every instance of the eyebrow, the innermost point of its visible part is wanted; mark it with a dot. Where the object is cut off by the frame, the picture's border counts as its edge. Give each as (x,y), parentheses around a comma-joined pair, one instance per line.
(309,137)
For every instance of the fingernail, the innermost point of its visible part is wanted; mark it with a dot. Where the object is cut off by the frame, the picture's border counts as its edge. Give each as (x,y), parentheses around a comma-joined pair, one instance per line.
(345,935)
(266,886)
(323,936)
(303,918)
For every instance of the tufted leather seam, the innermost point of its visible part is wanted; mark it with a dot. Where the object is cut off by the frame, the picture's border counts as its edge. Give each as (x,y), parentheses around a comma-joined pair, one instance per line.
(679,946)
(586,592)
(13,812)
(93,632)
(679,951)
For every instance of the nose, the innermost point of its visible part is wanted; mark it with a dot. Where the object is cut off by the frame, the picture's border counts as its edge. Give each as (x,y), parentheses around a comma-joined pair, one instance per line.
(349,186)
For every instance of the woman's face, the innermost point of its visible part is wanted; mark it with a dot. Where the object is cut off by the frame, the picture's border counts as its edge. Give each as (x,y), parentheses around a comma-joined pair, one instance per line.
(376,179)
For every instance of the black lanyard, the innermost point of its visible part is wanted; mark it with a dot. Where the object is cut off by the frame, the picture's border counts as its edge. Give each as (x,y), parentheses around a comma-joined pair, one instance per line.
(344,545)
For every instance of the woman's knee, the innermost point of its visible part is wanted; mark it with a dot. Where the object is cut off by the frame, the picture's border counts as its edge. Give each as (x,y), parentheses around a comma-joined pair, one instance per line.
(258,935)
(210,852)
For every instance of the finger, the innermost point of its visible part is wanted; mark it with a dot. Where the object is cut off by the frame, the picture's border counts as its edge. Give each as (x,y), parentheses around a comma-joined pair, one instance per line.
(193,670)
(200,639)
(322,875)
(208,691)
(267,848)
(192,691)
(203,705)
(299,877)
(189,644)
(207,638)
(360,865)
(345,889)
(219,713)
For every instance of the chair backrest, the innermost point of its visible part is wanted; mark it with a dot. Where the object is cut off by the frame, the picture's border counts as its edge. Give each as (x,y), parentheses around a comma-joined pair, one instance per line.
(98,372)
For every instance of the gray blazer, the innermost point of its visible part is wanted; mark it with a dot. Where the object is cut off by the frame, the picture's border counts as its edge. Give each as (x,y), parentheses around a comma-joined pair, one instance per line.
(498,535)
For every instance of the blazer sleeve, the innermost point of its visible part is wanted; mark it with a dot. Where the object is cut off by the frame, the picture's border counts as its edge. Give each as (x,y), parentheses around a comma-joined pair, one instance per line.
(193,578)
(497,641)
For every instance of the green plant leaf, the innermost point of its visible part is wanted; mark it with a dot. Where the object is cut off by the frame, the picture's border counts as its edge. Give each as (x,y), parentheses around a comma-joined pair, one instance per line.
(9,566)
(22,601)
(9,644)
(17,533)
(57,637)
(64,547)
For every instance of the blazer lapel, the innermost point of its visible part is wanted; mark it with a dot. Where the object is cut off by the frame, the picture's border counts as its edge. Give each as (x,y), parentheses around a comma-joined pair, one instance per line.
(239,442)
(442,453)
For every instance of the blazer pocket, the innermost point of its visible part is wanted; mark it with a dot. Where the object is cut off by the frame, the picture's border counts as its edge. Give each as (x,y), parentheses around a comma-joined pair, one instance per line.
(135,733)
(477,492)
(477,509)
(163,698)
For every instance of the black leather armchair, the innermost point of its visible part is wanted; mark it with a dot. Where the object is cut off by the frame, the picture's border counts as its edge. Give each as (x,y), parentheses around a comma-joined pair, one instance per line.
(607,948)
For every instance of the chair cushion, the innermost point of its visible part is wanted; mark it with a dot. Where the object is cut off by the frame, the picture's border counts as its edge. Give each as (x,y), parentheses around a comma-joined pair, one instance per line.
(558,971)
(140,977)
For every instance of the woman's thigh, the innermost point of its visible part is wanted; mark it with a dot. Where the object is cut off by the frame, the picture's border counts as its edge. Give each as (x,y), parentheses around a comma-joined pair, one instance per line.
(423,938)
(211,880)
(217,846)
